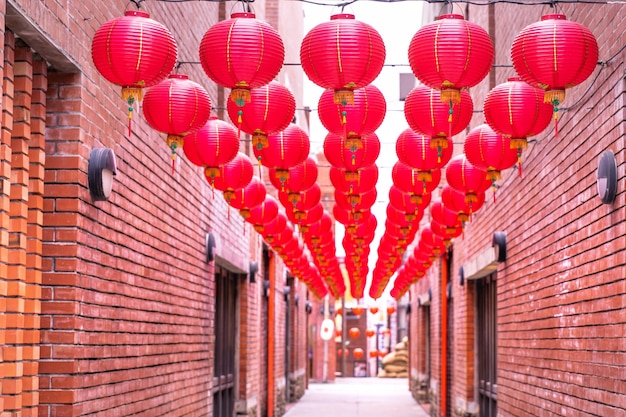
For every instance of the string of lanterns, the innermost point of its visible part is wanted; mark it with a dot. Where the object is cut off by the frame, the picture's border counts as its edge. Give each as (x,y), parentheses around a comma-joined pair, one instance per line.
(344,56)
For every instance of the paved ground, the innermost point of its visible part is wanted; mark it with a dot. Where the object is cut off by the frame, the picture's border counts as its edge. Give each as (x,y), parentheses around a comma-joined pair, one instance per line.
(358,397)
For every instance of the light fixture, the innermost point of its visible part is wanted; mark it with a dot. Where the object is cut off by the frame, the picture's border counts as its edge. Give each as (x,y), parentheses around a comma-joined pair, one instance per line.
(253,268)
(210,247)
(102,168)
(606,177)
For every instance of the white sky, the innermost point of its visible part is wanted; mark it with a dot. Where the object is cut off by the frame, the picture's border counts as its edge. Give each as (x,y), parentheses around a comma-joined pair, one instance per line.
(397,23)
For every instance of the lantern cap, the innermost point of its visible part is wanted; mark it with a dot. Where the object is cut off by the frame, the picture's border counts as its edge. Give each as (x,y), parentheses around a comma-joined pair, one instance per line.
(553,16)
(342,16)
(247,15)
(178,76)
(451,16)
(137,13)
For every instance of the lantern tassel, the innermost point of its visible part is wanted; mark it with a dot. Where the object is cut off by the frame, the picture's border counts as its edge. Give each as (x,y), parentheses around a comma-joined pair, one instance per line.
(130,95)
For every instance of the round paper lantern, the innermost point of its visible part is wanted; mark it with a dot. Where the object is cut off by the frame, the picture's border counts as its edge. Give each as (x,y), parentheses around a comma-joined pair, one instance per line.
(433,241)
(306,218)
(354,332)
(348,216)
(451,54)
(275,227)
(415,150)
(134,52)
(406,202)
(301,201)
(447,233)
(554,54)
(270,110)
(248,197)
(301,177)
(242,53)
(370,332)
(338,155)
(285,150)
(352,121)
(443,215)
(342,55)
(176,106)
(414,181)
(354,182)
(212,146)
(427,114)
(490,151)
(467,178)
(517,110)
(356,202)
(232,176)
(358,353)
(263,213)
(455,201)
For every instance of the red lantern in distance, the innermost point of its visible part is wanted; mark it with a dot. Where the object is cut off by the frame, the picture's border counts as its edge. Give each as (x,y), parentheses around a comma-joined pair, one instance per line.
(242,53)
(285,150)
(467,178)
(248,197)
(490,151)
(354,182)
(341,156)
(301,177)
(361,59)
(119,44)
(415,150)
(234,175)
(212,146)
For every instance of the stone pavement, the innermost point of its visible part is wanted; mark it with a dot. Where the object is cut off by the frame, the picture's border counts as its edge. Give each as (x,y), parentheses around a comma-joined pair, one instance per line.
(358,397)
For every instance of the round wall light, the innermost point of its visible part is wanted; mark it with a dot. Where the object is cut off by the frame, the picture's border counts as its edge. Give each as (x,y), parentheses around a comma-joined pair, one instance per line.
(102,168)
(606,177)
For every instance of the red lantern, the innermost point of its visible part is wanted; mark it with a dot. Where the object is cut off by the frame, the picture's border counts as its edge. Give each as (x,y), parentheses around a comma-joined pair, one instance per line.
(301,201)
(447,233)
(405,202)
(517,110)
(443,215)
(427,114)
(414,181)
(370,332)
(274,228)
(339,155)
(176,106)
(356,202)
(270,110)
(358,353)
(263,213)
(352,121)
(232,176)
(467,178)
(433,241)
(354,182)
(342,55)
(455,201)
(212,146)
(357,311)
(301,177)
(242,53)
(451,54)
(415,150)
(490,151)
(554,54)
(248,197)
(373,353)
(285,150)
(373,310)
(134,52)
(306,218)
(354,332)
(348,217)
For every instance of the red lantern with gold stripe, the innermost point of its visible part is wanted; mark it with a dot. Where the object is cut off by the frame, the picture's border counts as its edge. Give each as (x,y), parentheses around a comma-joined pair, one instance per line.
(517,110)
(270,110)
(414,181)
(234,175)
(263,213)
(554,54)
(285,150)
(242,53)
(467,178)
(176,106)
(212,146)
(414,149)
(248,197)
(301,177)
(432,240)
(455,201)
(302,200)
(342,55)
(338,155)
(426,113)
(354,182)
(451,54)
(360,202)
(134,52)
(490,151)
(353,121)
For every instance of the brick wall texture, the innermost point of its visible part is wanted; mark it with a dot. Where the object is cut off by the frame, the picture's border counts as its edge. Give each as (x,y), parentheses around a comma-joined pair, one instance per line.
(108,308)
(561,293)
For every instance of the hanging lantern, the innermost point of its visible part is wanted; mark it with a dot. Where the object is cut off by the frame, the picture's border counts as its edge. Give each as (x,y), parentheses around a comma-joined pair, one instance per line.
(354,182)
(443,215)
(446,232)
(427,114)
(212,146)
(242,53)
(301,201)
(352,121)
(285,150)
(356,202)
(370,332)
(490,151)
(134,52)
(270,110)
(263,213)
(414,181)
(301,177)
(234,175)
(374,310)
(176,106)
(306,218)
(357,311)
(354,332)
(455,201)
(433,241)
(342,55)
(358,353)
(554,54)
(415,150)
(405,202)
(517,110)
(340,156)
(274,228)
(348,217)
(451,54)
(248,197)
(467,178)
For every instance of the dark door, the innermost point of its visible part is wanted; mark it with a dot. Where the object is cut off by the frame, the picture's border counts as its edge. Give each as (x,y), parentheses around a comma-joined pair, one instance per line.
(487,326)
(225,337)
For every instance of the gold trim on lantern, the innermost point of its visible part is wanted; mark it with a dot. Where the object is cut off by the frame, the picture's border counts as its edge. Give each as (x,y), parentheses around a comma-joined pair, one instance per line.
(353,143)
(519,143)
(241,95)
(259,140)
(551,96)
(416,199)
(134,93)
(426,176)
(343,97)
(174,141)
(439,142)
(493,174)
(212,172)
(449,93)
(245,213)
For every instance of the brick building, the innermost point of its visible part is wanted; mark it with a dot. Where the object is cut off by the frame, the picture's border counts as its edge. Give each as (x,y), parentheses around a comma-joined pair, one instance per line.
(537,331)
(111,307)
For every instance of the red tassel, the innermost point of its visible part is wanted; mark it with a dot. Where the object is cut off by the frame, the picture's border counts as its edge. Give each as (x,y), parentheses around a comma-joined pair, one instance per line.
(130,122)
(173,163)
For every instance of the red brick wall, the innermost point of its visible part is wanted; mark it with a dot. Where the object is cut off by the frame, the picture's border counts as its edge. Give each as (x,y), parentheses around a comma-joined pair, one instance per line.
(561,289)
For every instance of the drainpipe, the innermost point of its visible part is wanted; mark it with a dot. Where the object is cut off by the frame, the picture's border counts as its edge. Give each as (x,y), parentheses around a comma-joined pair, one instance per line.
(270,337)
(444,337)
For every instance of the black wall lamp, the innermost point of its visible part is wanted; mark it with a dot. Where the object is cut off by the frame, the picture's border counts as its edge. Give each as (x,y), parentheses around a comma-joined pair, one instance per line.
(606,177)
(210,245)
(308,307)
(253,268)
(100,172)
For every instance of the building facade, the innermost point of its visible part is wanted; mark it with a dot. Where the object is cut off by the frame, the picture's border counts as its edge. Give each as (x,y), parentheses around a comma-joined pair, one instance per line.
(525,315)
